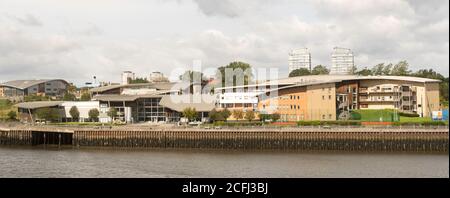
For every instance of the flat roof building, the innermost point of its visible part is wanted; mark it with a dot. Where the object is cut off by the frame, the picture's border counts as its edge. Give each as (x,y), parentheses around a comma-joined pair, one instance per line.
(342,61)
(299,58)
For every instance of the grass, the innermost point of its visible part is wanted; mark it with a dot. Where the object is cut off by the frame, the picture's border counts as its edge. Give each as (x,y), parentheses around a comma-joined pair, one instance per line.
(374,115)
(415,119)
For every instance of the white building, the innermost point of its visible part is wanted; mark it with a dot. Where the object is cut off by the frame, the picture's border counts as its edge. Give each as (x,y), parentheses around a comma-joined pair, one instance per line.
(126,76)
(342,61)
(299,58)
(157,77)
(83,108)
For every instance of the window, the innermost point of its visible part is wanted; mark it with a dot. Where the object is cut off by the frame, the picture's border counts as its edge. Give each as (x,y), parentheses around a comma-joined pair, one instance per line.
(329,116)
(298,97)
(323,117)
(298,107)
(291,97)
(329,97)
(264,106)
(323,97)
(291,106)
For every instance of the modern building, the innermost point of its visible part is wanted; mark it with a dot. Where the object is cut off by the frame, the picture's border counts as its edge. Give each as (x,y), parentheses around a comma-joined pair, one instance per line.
(332,97)
(342,61)
(27,110)
(299,58)
(127,76)
(46,87)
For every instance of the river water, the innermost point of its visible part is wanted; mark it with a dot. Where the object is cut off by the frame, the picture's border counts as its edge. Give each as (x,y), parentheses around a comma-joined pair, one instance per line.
(33,162)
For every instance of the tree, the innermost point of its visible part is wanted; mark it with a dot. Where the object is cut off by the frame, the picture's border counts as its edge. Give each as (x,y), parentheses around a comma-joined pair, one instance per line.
(378,69)
(49,114)
(69,97)
(190,114)
(276,117)
(247,74)
(364,72)
(401,69)
(112,112)
(387,69)
(320,70)
(300,72)
(249,115)
(215,115)
(238,114)
(93,114)
(85,97)
(12,115)
(225,113)
(137,81)
(74,113)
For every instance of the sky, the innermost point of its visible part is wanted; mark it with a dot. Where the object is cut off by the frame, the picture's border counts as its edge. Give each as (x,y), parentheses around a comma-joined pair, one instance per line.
(78,39)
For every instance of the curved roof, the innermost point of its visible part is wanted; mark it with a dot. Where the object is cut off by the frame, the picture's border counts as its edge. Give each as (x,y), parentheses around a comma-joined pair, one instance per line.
(158,86)
(38,104)
(320,79)
(23,84)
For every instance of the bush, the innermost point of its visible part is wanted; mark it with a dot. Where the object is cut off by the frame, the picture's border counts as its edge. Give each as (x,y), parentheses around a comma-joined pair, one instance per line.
(409,114)
(333,122)
(421,123)
(237,124)
(355,116)
(12,115)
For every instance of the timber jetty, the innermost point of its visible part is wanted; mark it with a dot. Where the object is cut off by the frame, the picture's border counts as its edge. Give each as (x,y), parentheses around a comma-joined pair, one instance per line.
(288,139)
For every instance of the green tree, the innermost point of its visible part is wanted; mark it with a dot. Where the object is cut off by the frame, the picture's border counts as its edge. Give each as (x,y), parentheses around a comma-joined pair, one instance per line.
(225,113)
(48,114)
(320,70)
(215,115)
(137,81)
(300,72)
(276,117)
(249,115)
(190,114)
(74,113)
(401,69)
(378,69)
(69,97)
(85,97)
(93,114)
(364,72)
(12,115)
(387,69)
(238,114)
(247,75)
(112,113)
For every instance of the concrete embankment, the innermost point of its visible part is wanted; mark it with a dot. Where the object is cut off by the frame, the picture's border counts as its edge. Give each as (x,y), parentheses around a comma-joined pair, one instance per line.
(351,139)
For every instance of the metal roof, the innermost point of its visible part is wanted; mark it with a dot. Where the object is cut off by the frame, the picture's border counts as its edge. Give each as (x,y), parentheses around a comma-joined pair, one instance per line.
(158,86)
(321,79)
(121,98)
(181,102)
(23,84)
(38,104)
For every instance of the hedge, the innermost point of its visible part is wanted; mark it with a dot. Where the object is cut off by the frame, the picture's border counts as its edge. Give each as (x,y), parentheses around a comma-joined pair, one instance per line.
(334,122)
(234,124)
(422,123)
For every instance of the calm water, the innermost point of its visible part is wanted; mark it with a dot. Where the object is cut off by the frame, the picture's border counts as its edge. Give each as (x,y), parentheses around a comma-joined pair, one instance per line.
(27,162)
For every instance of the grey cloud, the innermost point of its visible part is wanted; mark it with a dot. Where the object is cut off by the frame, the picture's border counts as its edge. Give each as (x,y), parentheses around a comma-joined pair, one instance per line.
(28,20)
(218,7)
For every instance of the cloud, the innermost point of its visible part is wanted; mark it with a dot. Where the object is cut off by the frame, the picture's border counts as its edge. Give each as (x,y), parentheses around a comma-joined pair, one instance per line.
(28,20)
(261,33)
(219,8)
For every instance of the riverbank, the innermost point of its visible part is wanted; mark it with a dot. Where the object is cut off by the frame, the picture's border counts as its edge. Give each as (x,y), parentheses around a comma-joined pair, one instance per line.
(284,139)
